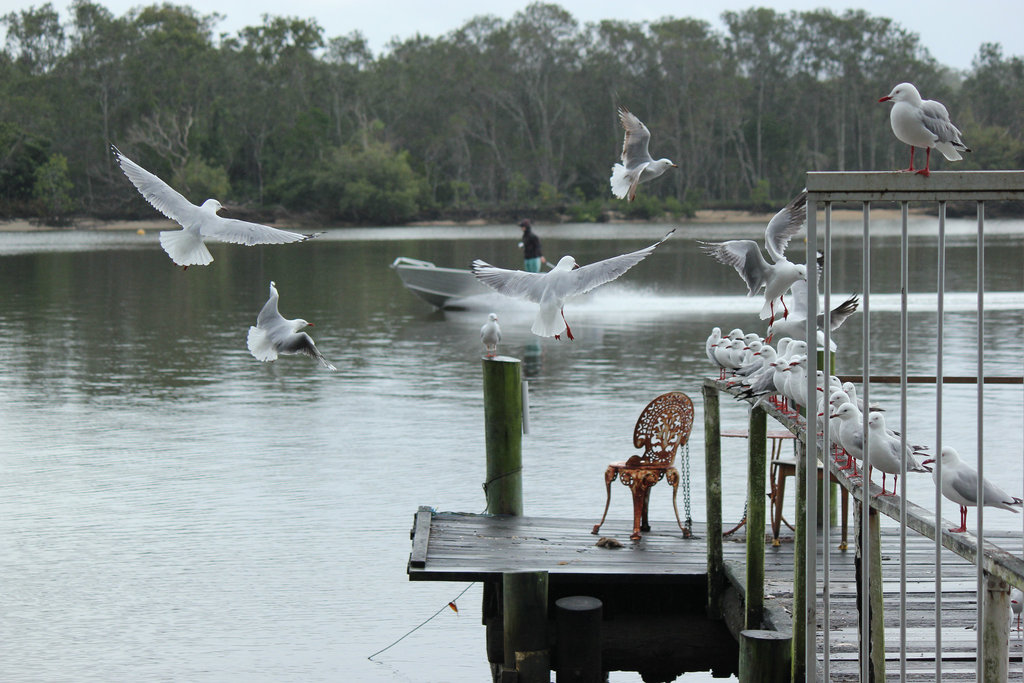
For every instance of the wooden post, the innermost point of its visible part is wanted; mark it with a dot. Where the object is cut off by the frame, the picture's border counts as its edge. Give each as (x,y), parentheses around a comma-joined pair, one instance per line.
(526,620)
(713,499)
(800,566)
(764,656)
(757,445)
(996,629)
(503,426)
(877,604)
(578,621)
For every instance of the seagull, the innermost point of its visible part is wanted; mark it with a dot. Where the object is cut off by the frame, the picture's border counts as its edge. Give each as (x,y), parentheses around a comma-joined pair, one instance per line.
(186,247)
(850,434)
(745,256)
(884,452)
(490,335)
(711,343)
(923,123)
(551,289)
(637,164)
(960,485)
(795,325)
(1016,603)
(273,334)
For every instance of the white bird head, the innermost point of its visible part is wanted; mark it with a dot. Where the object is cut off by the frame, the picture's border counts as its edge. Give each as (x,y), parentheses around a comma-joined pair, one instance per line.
(846,411)
(801,271)
(662,165)
(299,324)
(565,263)
(904,92)
(876,421)
(211,205)
(493,317)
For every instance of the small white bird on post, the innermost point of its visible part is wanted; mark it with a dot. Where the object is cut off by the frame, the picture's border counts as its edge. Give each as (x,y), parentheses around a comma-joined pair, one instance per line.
(490,335)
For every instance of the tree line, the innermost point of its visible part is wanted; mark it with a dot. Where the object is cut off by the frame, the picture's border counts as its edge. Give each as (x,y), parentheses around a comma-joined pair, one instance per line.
(498,118)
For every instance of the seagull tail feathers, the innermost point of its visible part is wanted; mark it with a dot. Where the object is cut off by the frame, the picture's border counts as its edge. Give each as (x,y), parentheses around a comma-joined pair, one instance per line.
(620,181)
(260,345)
(949,150)
(548,323)
(185,248)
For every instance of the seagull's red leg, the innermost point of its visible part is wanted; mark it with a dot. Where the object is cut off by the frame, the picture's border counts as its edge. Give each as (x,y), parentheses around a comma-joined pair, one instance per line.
(911,169)
(785,309)
(568,331)
(963,521)
(927,162)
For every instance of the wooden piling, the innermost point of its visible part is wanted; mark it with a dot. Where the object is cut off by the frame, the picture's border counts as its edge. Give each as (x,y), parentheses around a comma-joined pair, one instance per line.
(526,619)
(578,624)
(756,464)
(764,656)
(503,427)
(995,629)
(713,500)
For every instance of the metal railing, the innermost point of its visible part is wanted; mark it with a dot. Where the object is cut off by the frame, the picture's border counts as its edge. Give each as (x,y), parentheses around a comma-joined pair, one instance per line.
(993,570)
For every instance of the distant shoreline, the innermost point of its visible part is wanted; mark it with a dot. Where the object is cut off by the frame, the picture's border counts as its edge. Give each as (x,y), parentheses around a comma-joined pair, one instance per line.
(713,216)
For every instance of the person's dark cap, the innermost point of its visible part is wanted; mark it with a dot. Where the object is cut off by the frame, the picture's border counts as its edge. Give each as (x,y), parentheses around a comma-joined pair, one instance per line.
(525,223)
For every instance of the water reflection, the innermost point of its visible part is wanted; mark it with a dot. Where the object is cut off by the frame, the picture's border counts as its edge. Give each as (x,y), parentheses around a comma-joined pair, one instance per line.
(170,507)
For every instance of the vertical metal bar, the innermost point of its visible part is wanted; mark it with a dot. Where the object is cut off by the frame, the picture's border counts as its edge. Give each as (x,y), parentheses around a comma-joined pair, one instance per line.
(981,425)
(811,456)
(904,340)
(865,531)
(826,453)
(941,295)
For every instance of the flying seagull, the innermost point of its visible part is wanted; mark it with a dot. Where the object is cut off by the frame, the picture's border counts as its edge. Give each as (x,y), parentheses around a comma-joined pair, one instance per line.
(490,335)
(186,247)
(274,334)
(923,123)
(637,164)
(553,288)
(745,256)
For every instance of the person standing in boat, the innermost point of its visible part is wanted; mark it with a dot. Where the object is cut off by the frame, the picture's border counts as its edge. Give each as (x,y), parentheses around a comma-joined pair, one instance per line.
(533,259)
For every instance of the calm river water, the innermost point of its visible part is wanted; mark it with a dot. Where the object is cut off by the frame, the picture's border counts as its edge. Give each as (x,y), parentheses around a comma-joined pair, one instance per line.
(172,509)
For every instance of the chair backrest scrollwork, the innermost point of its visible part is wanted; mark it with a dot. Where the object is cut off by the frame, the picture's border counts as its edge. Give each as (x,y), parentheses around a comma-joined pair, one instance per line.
(662,427)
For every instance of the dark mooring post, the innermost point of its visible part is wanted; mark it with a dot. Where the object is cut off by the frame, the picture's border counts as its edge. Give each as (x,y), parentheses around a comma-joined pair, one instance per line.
(578,622)
(503,425)
(757,446)
(713,498)
(526,622)
(764,656)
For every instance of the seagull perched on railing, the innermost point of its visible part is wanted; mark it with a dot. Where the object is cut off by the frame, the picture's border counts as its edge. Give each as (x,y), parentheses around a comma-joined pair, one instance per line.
(923,123)
(553,288)
(638,166)
(960,484)
(884,452)
(185,246)
(745,256)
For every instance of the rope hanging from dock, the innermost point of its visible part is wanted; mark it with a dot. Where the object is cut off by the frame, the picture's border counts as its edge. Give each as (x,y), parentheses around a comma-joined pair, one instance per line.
(448,605)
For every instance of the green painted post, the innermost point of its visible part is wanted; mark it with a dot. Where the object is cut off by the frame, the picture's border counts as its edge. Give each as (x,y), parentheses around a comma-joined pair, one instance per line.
(757,456)
(713,498)
(503,425)
(800,565)
(764,656)
(526,624)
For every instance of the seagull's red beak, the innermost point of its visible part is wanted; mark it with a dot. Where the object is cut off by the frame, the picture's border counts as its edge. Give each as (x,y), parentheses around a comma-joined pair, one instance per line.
(884,99)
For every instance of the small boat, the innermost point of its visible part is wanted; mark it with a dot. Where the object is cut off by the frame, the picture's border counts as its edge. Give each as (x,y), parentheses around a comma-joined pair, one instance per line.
(437,286)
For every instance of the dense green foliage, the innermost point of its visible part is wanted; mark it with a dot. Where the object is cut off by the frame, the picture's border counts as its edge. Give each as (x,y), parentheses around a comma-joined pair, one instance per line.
(497,118)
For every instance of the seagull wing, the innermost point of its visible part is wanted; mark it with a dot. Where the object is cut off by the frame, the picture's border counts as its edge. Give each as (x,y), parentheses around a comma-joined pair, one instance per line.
(243,232)
(745,257)
(783,225)
(268,314)
(517,284)
(162,196)
(636,140)
(935,118)
(300,342)
(964,483)
(593,275)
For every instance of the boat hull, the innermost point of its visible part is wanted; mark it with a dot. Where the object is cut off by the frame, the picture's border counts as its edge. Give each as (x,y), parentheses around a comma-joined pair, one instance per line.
(439,287)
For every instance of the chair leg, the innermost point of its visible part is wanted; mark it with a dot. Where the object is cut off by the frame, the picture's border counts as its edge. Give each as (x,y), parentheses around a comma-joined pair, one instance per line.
(846,506)
(644,524)
(609,477)
(639,497)
(778,495)
(672,477)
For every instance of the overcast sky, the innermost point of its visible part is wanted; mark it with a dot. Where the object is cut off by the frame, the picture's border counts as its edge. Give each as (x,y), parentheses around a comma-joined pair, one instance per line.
(951,30)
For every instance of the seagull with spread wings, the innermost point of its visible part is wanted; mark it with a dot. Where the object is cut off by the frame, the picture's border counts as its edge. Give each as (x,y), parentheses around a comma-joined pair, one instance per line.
(553,288)
(638,166)
(185,246)
(273,334)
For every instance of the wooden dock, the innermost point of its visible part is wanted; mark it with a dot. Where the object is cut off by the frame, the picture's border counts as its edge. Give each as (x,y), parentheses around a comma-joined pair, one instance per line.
(450,546)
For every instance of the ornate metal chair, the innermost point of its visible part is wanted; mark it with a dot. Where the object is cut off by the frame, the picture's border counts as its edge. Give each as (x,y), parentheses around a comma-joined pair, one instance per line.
(662,427)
